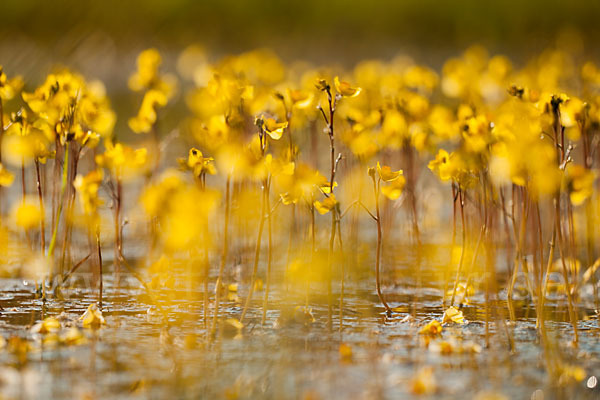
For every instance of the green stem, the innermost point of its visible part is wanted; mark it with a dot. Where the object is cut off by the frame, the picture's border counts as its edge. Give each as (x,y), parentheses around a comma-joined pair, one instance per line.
(42,210)
(376,190)
(63,186)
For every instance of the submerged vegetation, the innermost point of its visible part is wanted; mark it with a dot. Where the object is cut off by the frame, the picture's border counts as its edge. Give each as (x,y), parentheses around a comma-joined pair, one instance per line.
(452,201)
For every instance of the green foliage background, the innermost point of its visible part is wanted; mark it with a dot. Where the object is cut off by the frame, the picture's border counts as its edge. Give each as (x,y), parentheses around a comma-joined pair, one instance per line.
(347,30)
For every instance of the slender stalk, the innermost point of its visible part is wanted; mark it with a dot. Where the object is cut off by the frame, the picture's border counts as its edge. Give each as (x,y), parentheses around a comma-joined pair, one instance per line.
(519,257)
(559,236)
(118,247)
(464,244)
(312,251)
(289,246)
(549,263)
(540,276)
(376,190)
(332,105)
(332,234)
(589,214)
(99,251)
(206,261)
(572,245)
(505,224)
(269,254)
(223,254)
(559,133)
(590,240)
(342,273)
(42,209)
(330,271)
(261,226)
(58,162)
(68,228)
(486,229)
(544,289)
(24,194)
(452,244)
(63,186)
(415,222)
(23,183)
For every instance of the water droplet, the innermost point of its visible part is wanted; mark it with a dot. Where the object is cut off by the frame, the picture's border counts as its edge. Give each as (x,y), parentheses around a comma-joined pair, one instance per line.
(592,382)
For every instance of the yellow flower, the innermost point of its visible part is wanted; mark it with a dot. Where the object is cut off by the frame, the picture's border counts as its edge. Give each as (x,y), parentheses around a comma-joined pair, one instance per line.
(121,160)
(155,197)
(24,142)
(87,138)
(441,166)
(345,352)
(19,347)
(211,135)
(580,183)
(87,188)
(420,77)
(395,127)
(92,318)
(394,189)
(148,63)
(571,373)
(273,128)
(442,122)
(299,183)
(386,174)
(146,117)
(6,177)
(27,214)
(432,328)
(476,133)
(362,145)
(51,100)
(371,172)
(326,187)
(453,315)
(199,164)
(424,382)
(344,88)
(182,211)
(66,102)
(148,77)
(278,166)
(48,325)
(9,87)
(326,205)
(396,180)
(322,85)
(300,99)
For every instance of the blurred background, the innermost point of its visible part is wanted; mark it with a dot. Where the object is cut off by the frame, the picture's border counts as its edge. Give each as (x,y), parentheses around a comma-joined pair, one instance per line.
(102,38)
(99,34)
